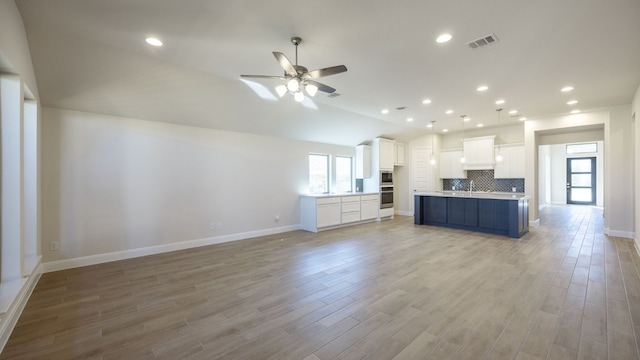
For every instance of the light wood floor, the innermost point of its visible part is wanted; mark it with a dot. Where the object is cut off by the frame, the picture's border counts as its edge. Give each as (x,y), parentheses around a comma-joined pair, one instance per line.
(388,290)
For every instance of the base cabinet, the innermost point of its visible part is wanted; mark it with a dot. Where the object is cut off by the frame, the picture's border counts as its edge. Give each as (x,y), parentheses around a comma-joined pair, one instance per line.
(319,212)
(328,211)
(436,210)
(493,214)
(463,212)
(350,209)
(369,205)
(498,216)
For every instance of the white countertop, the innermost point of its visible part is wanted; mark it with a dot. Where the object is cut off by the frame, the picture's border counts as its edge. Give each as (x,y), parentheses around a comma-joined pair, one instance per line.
(339,195)
(476,194)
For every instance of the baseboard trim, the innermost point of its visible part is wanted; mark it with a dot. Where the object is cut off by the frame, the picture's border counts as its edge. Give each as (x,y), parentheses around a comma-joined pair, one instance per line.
(10,318)
(618,233)
(534,223)
(404,213)
(158,249)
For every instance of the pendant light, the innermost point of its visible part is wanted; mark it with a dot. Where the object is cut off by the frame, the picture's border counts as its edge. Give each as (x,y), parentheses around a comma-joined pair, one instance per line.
(462,159)
(433,159)
(498,154)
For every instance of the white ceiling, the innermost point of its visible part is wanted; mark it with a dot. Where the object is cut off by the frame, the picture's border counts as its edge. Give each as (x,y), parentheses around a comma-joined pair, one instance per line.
(90,55)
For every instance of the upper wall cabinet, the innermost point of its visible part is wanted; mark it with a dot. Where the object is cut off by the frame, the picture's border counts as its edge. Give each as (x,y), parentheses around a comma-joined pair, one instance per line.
(383,152)
(478,153)
(512,164)
(398,151)
(450,167)
(363,162)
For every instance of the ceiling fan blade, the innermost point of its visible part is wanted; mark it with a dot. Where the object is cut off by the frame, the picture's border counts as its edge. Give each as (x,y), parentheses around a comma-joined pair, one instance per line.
(326,71)
(288,67)
(264,77)
(321,86)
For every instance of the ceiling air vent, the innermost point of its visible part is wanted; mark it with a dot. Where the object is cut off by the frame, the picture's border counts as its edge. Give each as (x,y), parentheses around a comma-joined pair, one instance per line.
(401,108)
(333,95)
(483,41)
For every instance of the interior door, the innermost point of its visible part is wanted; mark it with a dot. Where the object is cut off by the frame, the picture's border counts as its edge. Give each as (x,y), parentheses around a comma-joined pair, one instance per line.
(581,181)
(422,181)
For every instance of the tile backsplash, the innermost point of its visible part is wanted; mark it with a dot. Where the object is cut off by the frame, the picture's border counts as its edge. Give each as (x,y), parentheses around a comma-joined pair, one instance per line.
(483,181)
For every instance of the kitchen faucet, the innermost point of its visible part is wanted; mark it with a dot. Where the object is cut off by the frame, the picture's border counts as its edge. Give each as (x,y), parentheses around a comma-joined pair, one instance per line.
(470,187)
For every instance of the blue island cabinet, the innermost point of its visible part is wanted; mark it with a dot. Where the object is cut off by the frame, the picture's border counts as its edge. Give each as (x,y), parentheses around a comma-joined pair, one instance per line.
(505,216)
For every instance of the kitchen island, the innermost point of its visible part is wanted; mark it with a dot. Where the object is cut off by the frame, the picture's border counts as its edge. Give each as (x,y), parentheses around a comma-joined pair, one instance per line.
(496,213)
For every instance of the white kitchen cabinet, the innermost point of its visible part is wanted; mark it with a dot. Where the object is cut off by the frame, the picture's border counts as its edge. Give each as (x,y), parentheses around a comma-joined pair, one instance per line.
(382,152)
(398,152)
(450,166)
(369,205)
(512,164)
(320,212)
(363,161)
(328,212)
(350,209)
(479,153)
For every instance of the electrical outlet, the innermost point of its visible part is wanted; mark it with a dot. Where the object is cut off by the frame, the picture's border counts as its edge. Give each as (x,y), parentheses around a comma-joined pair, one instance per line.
(277,218)
(219,227)
(54,246)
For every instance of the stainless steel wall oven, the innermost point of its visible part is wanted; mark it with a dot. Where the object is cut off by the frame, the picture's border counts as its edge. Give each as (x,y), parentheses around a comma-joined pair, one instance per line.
(386,197)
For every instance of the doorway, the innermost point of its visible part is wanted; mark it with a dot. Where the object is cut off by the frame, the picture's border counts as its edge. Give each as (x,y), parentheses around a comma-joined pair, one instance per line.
(581,181)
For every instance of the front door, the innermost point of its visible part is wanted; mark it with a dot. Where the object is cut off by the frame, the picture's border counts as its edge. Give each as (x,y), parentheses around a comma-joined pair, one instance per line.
(581,181)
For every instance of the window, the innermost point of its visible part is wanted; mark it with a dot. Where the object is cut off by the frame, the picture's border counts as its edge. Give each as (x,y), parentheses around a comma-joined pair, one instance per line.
(318,174)
(582,148)
(344,174)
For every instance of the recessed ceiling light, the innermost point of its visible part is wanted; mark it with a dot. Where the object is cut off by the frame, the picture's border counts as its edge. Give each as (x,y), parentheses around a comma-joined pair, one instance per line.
(513,112)
(449,112)
(153,41)
(409,119)
(426,101)
(572,102)
(523,119)
(429,125)
(385,111)
(482,88)
(480,125)
(445,130)
(499,102)
(575,111)
(443,38)
(467,119)
(566,88)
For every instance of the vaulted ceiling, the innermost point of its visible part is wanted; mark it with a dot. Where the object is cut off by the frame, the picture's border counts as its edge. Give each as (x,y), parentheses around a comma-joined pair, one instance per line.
(90,55)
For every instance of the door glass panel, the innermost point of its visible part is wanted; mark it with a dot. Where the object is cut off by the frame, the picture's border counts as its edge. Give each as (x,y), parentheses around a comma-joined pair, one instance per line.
(582,165)
(578,194)
(581,180)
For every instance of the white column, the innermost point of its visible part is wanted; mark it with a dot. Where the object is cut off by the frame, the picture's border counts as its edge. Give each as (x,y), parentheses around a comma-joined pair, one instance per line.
(11,178)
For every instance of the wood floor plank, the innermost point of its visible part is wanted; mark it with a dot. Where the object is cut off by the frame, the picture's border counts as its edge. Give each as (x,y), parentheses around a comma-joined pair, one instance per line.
(382,290)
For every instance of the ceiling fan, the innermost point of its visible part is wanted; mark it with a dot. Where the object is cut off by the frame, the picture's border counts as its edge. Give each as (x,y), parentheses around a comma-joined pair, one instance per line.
(299,77)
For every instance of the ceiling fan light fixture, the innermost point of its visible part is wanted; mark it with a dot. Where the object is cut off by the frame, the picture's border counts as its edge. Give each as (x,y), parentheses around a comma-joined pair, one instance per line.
(299,96)
(281,90)
(311,89)
(293,85)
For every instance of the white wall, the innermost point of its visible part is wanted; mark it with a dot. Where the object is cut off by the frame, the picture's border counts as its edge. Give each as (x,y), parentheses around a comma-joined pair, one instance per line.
(508,134)
(635,109)
(544,175)
(15,57)
(114,184)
